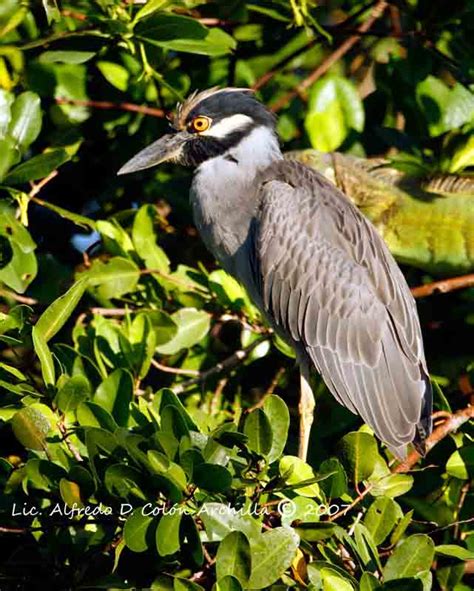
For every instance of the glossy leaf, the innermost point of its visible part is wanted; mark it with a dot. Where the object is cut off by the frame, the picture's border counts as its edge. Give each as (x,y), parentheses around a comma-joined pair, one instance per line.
(26,118)
(358,452)
(234,558)
(145,238)
(30,427)
(271,555)
(258,429)
(136,531)
(413,555)
(167,534)
(192,324)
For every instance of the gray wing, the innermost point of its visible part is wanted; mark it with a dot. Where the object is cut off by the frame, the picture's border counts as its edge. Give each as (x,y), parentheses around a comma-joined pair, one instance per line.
(328,281)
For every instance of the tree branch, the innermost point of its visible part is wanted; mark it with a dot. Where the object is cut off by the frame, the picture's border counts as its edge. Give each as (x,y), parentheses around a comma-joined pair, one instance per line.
(443,286)
(376,13)
(450,425)
(234,359)
(110,105)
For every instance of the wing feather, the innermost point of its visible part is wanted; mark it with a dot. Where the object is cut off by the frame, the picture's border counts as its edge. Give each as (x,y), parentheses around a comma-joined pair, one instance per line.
(328,282)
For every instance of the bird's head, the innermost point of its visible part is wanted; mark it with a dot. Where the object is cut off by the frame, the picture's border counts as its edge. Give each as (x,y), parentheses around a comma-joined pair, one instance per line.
(207,124)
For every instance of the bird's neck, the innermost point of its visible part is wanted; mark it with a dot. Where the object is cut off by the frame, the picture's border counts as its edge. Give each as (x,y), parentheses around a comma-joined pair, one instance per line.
(223,193)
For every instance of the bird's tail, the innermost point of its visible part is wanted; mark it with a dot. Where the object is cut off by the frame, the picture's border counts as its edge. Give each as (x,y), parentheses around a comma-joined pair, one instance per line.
(425,425)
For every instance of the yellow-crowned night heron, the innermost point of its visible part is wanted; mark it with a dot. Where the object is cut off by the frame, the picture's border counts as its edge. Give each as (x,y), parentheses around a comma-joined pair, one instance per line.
(314,266)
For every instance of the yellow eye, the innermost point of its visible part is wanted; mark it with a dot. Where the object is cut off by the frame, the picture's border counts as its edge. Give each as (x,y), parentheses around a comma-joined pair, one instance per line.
(200,124)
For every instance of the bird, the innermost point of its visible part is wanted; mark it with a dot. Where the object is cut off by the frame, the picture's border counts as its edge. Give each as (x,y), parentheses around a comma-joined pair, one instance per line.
(315,267)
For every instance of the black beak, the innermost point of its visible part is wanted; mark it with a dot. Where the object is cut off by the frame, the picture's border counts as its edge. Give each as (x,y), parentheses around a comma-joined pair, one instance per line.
(168,147)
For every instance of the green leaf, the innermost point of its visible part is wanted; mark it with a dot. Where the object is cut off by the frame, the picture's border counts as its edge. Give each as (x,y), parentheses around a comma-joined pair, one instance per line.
(193,325)
(168,398)
(227,584)
(144,240)
(315,531)
(50,323)
(279,417)
(37,167)
(70,493)
(9,155)
(149,8)
(358,453)
(381,518)
(461,463)
(272,553)
(122,481)
(334,109)
(25,122)
(391,485)
(113,278)
(212,477)
(444,108)
(136,531)
(401,528)
(294,471)
(413,555)
(167,534)
(333,581)
(220,519)
(259,432)
(368,582)
(115,394)
(30,427)
(66,57)
(90,414)
(6,101)
(56,315)
(336,484)
(186,585)
(181,33)
(455,551)
(233,558)
(74,391)
(115,74)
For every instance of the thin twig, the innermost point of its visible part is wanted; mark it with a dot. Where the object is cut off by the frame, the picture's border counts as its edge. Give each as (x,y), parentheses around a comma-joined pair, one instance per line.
(376,13)
(6,293)
(38,187)
(72,448)
(450,425)
(174,370)
(269,391)
(443,286)
(234,359)
(110,105)
(357,500)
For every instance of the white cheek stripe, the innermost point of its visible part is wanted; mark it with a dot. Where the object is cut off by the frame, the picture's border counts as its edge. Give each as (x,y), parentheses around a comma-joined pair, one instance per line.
(228,125)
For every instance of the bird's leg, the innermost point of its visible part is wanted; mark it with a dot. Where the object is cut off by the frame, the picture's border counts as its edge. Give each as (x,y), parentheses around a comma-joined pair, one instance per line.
(306,409)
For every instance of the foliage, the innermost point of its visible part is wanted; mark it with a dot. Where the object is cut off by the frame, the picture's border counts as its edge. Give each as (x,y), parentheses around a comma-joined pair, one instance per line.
(138,449)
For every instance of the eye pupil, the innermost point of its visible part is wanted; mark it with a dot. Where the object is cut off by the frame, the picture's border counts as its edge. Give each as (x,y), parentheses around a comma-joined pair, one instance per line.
(200,124)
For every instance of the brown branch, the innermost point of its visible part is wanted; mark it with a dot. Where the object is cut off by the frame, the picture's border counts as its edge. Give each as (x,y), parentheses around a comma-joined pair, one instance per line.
(6,293)
(38,187)
(175,370)
(443,286)
(450,425)
(376,13)
(72,448)
(13,530)
(110,105)
(357,500)
(234,359)
(269,391)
